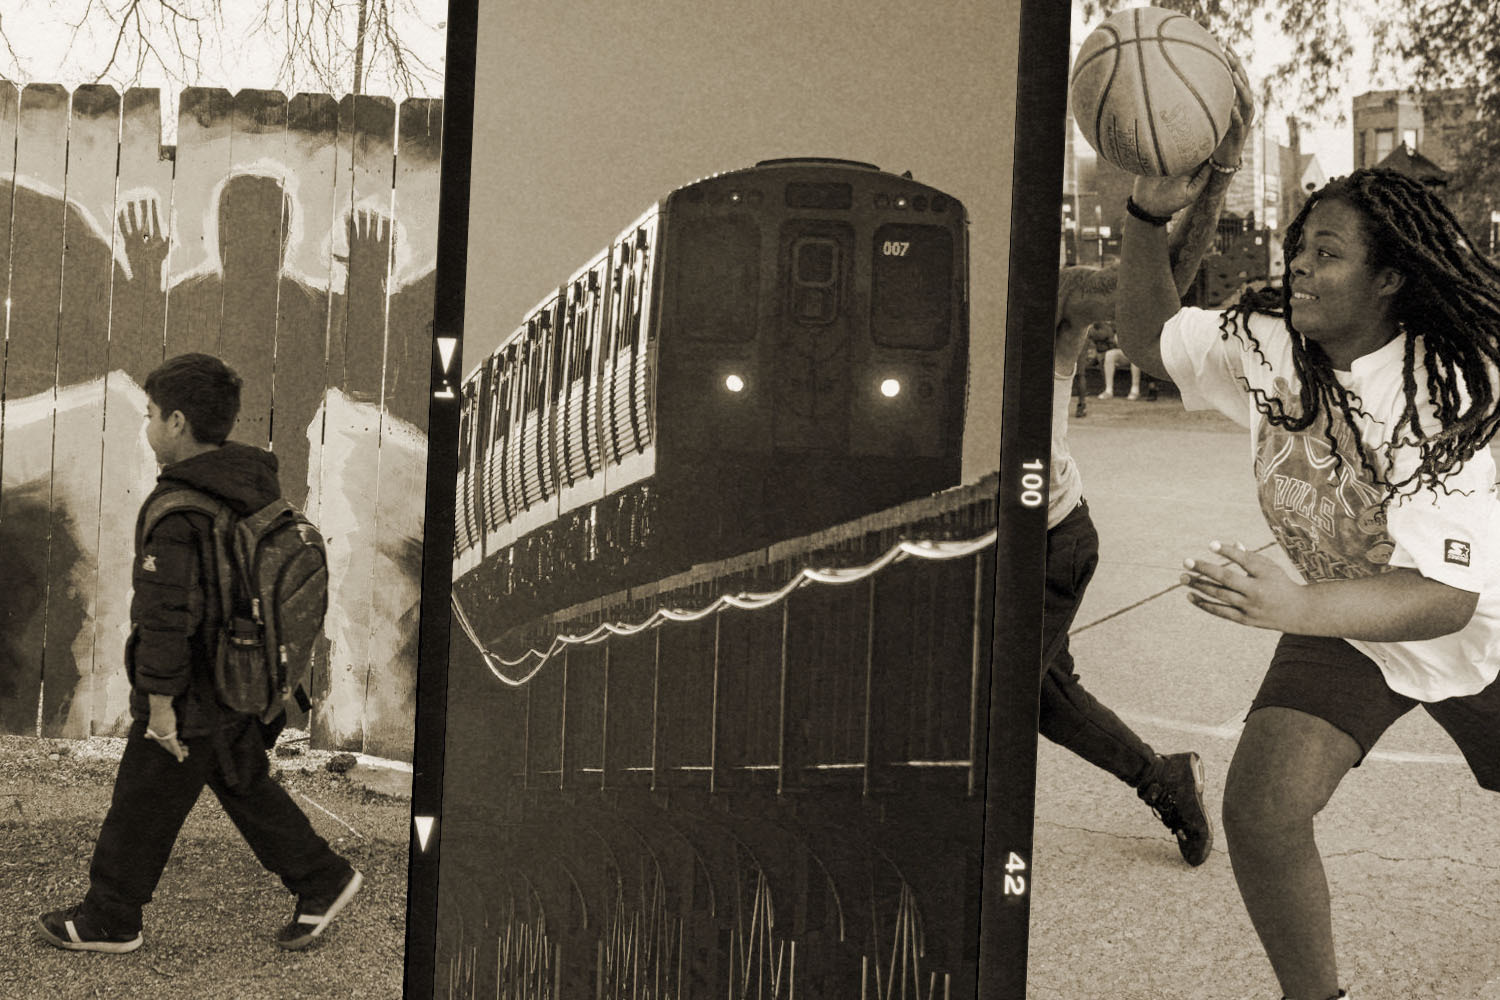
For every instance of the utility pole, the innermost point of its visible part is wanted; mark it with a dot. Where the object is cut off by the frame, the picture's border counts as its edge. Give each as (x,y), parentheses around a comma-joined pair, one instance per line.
(359,46)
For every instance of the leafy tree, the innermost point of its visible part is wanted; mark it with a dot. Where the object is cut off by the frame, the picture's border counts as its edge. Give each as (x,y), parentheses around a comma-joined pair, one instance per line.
(1310,75)
(1433,47)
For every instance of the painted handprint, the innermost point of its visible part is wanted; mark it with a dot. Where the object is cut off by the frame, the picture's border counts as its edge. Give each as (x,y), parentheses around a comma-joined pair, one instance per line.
(372,246)
(144,239)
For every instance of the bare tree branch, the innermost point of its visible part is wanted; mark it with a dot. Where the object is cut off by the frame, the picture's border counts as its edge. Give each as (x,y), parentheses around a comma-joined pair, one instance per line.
(308,44)
(14,56)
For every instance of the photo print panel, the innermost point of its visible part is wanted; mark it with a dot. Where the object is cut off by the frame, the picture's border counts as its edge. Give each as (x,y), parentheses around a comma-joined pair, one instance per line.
(294,238)
(239,242)
(1119,908)
(740,318)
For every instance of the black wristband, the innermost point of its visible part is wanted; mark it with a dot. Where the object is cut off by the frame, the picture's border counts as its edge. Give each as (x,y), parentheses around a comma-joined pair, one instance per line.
(1143,215)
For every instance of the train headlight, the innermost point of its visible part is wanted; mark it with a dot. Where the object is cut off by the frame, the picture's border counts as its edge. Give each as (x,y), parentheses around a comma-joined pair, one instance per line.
(890,388)
(734,383)
(901,201)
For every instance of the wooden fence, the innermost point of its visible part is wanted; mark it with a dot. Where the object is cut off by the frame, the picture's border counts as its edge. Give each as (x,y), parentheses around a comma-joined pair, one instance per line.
(295,238)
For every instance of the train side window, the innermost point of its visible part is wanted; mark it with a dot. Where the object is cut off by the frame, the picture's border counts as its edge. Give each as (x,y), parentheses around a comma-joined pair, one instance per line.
(911,293)
(716,288)
(512,400)
(640,292)
(500,395)
(815,279)
(580,329)
(624,308)
(466,429)
(554,349)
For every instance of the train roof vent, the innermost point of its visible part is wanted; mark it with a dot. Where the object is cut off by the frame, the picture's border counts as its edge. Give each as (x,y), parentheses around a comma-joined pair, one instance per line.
(784,161)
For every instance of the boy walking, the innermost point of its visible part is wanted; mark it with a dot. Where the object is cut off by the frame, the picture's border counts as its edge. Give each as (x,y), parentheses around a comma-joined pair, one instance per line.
(181,737)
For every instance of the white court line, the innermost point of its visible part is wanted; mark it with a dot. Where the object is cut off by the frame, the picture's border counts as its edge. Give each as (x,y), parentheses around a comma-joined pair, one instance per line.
(1228,731)
(1231,730)
(321,809)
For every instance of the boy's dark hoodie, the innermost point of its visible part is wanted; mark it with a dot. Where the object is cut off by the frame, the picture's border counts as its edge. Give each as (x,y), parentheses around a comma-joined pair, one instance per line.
(175,609)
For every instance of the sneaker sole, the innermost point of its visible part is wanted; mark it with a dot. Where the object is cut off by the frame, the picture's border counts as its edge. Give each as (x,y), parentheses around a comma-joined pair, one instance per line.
(327,918)
(1197,766)
(104,947)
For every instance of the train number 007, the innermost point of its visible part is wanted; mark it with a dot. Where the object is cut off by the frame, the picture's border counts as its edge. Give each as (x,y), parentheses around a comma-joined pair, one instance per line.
(894,248)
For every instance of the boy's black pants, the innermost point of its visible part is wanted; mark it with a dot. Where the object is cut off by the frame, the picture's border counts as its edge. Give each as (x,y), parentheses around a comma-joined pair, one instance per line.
(1069,715)
(152,797)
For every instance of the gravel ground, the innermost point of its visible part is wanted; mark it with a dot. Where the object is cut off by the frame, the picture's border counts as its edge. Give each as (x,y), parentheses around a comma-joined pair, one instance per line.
(209,934)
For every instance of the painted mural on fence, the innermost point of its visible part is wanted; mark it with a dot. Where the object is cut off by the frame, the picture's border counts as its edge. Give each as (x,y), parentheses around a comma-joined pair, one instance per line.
(295,238)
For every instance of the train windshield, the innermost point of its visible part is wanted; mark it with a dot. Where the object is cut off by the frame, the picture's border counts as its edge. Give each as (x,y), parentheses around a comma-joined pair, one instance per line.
(718,278)
(911,296)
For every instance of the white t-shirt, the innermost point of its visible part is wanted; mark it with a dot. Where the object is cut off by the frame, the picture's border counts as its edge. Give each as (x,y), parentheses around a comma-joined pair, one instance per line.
(1066,486)
(1328,517)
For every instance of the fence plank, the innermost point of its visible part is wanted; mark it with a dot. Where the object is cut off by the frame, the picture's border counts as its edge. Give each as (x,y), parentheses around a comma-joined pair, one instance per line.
(18,683)
(302,331)
(82,356)
(195,296)
(352,413)
(390,701)
(409,342)
(302,311)
(137,318)
(31,368)
(121,257)
(139,306)
(254,213)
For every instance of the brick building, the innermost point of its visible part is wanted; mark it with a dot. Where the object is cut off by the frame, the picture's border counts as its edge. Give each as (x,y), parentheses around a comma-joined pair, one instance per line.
(1423,136)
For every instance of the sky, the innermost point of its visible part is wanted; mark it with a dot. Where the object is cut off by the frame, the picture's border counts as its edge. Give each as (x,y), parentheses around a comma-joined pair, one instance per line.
(585,118)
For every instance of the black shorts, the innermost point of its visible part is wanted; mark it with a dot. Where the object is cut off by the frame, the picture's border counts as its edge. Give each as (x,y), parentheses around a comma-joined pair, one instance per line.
(1332,680)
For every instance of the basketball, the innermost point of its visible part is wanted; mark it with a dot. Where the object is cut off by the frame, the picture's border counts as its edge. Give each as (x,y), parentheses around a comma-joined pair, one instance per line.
(1152,91)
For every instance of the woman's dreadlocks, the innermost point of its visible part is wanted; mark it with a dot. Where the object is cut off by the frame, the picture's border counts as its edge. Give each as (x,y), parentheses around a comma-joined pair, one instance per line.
(1450,298)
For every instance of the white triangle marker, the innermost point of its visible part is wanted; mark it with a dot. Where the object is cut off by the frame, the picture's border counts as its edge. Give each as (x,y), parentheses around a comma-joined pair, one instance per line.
(446,347)
(424,829)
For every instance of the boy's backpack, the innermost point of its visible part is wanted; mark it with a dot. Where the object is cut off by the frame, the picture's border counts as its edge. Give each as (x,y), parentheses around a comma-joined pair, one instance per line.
(272,571)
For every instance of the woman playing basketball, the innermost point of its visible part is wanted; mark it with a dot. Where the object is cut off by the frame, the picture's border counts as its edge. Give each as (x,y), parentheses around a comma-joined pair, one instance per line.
(1370,390)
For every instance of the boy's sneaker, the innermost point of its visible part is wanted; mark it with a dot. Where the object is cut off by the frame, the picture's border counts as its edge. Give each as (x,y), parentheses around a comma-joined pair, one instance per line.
(71,930)
(313,916)
(1173,788)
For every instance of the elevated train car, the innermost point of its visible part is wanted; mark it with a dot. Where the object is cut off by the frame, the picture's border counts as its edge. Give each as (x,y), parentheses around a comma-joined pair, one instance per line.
(762,354)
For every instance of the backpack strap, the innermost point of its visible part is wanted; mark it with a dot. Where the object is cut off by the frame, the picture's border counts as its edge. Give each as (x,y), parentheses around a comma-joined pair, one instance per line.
(188,499)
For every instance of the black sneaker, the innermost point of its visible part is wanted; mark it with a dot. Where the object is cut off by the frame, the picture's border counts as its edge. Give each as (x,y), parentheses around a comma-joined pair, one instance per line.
(71,930)
(1174,790)
(313,916)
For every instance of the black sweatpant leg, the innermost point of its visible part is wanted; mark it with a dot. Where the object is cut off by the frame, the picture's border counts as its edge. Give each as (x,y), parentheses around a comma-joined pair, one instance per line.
(1070,716)
(152,797)
(277,830)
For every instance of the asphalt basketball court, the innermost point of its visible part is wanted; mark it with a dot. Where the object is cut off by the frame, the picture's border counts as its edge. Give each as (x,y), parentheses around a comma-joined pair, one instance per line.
(1410,841)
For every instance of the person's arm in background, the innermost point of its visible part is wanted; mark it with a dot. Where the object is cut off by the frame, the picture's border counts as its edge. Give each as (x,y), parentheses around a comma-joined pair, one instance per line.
(1156,267)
